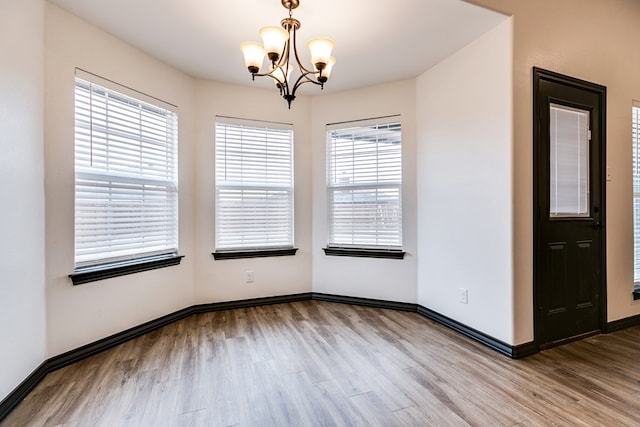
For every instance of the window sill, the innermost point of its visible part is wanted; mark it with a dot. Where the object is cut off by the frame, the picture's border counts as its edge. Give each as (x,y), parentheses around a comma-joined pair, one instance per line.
(94,273)
(365,253)
(253,253)
(636,292)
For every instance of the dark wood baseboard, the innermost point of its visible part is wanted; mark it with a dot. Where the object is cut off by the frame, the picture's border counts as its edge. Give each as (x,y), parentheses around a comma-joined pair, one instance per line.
(254,302)
(489,341)
(103,344)
(524,350)
(391,305)
(22,390)
(627,322)
(72,356)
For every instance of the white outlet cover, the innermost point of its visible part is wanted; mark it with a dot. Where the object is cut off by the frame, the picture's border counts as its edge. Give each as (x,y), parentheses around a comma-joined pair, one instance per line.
(464,296)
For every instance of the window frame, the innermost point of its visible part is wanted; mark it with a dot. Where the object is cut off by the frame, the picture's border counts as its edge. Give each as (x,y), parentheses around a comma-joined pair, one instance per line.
(635,146)
(233,178)
(161,180)
(377,182)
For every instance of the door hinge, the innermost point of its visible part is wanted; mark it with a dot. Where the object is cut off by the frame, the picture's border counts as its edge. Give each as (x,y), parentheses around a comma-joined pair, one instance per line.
(589,134)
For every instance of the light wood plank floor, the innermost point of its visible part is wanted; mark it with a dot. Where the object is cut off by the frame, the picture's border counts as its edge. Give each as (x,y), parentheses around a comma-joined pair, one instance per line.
(323,364)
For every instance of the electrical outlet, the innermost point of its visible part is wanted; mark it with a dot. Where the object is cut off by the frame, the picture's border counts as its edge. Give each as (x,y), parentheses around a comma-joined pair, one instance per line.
(248,276)
(464,296)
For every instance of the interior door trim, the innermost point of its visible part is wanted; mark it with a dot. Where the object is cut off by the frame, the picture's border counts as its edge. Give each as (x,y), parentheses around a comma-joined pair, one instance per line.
(539,75)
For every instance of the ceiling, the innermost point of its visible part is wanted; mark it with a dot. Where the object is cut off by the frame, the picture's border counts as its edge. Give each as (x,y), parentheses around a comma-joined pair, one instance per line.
(377,41)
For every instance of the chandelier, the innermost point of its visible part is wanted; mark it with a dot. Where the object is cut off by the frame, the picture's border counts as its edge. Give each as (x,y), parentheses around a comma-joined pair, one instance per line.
(279,45)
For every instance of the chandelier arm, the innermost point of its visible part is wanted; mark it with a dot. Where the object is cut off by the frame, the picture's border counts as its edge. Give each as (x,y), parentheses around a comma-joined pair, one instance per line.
(283,64)
(269,74)
(302,68)
(304,78)
(284,58)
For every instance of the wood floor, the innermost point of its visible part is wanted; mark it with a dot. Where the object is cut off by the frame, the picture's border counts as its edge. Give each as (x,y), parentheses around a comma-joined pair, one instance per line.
(324,364)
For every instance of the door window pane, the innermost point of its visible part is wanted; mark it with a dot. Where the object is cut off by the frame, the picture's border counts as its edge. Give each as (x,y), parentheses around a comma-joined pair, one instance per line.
(569,162)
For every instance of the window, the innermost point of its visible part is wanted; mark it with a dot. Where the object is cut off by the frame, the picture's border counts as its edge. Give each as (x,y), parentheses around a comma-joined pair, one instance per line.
(569,162)
(253,188)
(364,185)
(126,195)
(635,136)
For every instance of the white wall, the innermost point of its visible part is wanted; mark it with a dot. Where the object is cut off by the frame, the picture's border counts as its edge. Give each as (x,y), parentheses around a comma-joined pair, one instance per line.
(77,315)
(22,303)
(386,279)
(464,113)
(224,280)
(467,178)
(595,41)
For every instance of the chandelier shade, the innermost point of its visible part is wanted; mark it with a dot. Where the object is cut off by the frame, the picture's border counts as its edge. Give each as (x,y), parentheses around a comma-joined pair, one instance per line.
(326,72)
(320,49)
(253,55)
(273,40)
(279,46)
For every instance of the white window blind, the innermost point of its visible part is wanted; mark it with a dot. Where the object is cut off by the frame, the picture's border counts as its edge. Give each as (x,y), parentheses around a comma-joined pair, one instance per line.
(254,185)
(364,185)
(126,198)
(635,135)
(569,162)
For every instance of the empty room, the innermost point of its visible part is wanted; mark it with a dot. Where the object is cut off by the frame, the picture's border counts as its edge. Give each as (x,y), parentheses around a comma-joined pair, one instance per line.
(319,213)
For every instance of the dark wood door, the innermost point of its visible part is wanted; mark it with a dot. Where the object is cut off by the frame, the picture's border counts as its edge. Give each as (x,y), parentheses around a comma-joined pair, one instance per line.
(569,207)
